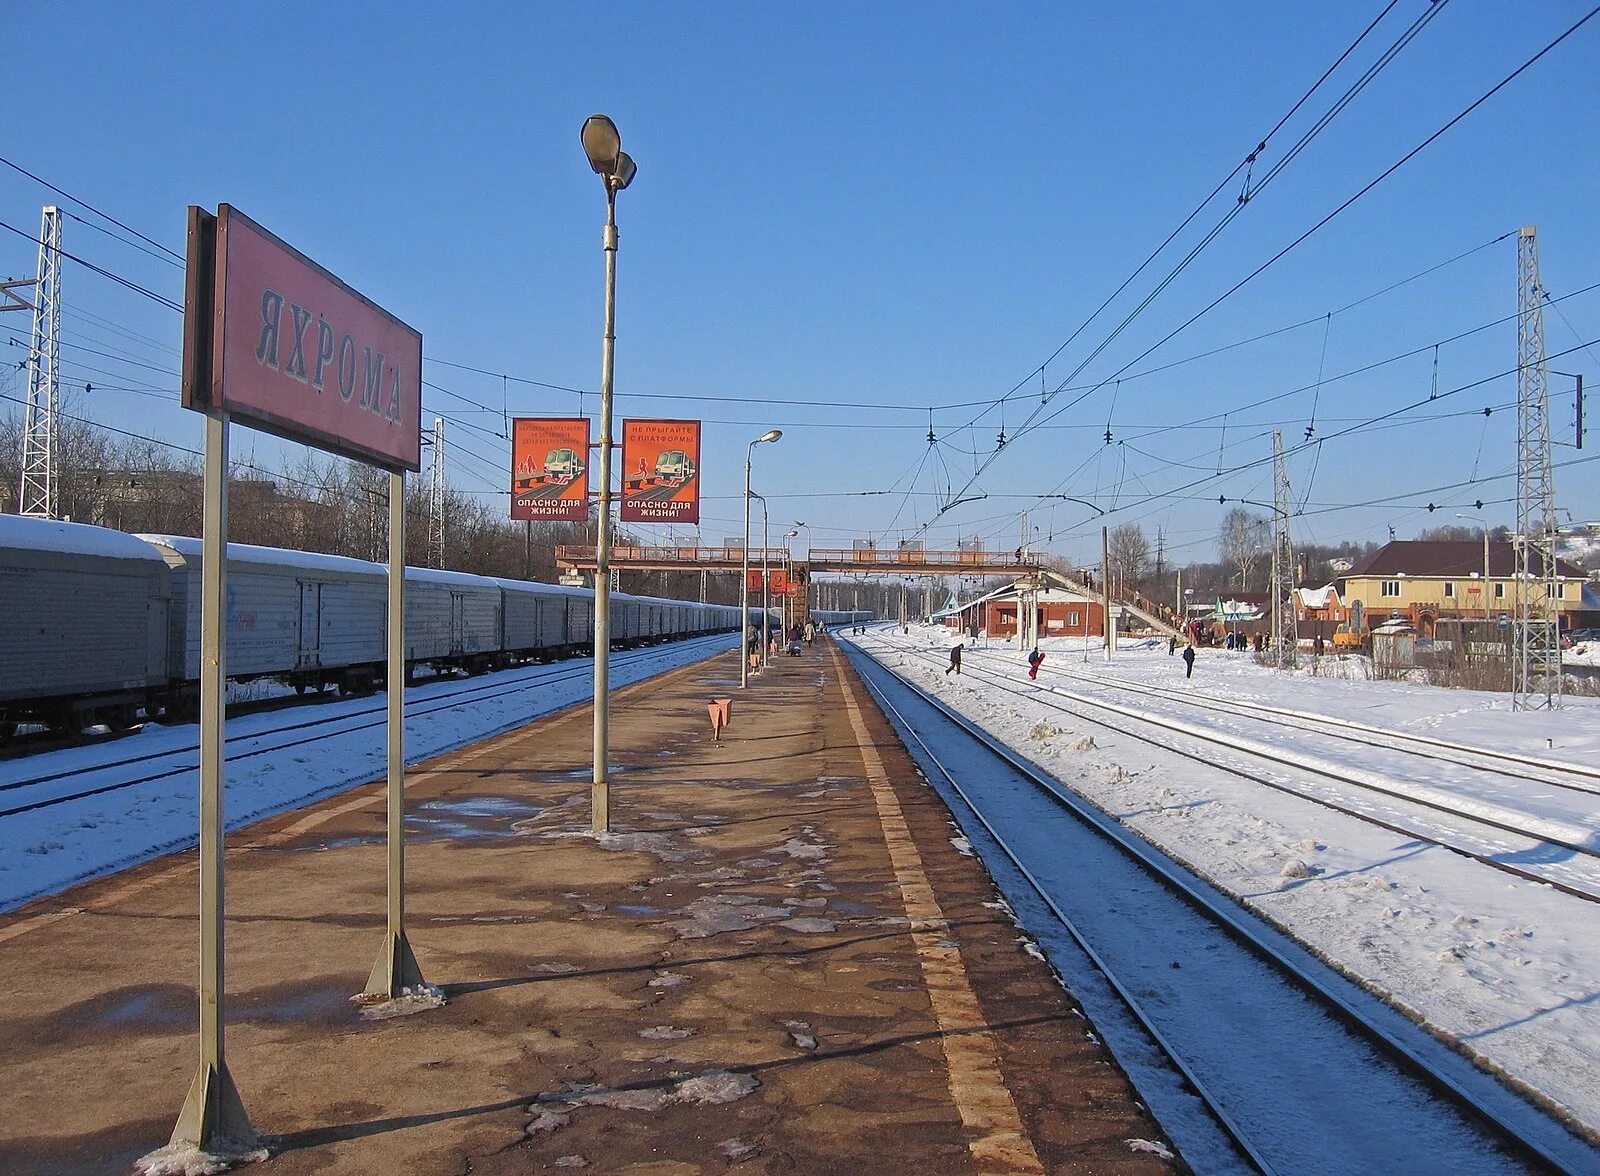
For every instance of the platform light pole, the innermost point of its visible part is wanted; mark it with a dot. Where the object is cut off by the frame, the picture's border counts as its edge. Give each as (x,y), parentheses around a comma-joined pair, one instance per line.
(744,581)
(603,145)
(789,615)
(766,578)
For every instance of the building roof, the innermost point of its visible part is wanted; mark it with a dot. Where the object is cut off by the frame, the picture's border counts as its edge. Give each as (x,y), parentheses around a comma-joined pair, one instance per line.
(1441,558)
(1318,597)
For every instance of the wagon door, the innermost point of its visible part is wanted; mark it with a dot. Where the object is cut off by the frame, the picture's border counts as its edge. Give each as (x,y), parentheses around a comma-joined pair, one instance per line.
(310,646)
(458,623)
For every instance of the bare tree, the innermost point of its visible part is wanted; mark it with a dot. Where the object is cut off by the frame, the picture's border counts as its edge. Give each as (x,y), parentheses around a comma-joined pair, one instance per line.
(1129,556)
(1242,543)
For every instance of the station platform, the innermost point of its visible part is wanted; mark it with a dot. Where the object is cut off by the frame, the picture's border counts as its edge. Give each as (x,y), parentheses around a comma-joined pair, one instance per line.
(778,962)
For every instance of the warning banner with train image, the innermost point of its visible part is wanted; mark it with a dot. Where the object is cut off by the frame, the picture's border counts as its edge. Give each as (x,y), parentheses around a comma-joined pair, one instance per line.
(550,468)
(660,472)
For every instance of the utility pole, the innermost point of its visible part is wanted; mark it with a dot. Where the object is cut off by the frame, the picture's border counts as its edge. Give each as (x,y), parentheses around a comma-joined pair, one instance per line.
(1285,627)
(1106,621)
(40,490)
(1536,650)
(436,497)
(1161,552)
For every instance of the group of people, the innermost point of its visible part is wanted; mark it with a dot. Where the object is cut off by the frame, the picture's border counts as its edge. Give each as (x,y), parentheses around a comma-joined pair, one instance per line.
(799,633)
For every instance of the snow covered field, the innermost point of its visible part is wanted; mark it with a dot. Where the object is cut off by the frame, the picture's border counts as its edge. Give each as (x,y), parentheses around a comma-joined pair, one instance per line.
(1509,969)
(50,848)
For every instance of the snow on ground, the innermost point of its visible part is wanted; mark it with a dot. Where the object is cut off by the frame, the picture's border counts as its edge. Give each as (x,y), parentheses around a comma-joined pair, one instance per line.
(1508,969)
(47,849)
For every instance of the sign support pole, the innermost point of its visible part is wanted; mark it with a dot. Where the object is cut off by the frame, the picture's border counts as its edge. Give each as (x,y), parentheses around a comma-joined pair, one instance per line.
(396,969)
(213,1117)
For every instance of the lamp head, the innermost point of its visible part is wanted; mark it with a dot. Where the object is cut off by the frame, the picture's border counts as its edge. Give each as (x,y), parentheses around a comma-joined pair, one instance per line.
(769,435)
(603,145)
(626,170)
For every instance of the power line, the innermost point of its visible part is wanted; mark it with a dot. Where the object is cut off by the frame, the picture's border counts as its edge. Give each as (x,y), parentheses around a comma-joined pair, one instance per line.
(85,204)
(1385,174)
(103,272)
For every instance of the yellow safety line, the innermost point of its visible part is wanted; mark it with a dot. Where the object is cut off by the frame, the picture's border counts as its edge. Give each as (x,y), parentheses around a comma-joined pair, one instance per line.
(972,1057)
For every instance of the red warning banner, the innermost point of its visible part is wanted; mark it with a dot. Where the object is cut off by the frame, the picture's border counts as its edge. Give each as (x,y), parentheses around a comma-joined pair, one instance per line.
(660,472)
(550,468)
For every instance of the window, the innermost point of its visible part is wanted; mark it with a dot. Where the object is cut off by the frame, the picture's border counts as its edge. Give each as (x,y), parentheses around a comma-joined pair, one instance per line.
(1449,589)
(1499,591)
(1074,618)
(1390,588)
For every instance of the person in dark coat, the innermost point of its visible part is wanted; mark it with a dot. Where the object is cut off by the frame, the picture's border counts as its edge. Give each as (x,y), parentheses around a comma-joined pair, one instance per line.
(1316,645)
(1172,645)
(1188,661)
(1035,660)
(955,660)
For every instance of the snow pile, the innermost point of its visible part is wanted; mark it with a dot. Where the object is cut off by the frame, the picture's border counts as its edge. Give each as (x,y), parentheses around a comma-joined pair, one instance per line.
(376,1007)
(186,1159)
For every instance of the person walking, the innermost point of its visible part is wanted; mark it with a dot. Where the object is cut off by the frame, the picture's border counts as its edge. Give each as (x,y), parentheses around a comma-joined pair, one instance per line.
(1316,646)
(1188,661)
(1172,645)
(1035,660)
(955,660)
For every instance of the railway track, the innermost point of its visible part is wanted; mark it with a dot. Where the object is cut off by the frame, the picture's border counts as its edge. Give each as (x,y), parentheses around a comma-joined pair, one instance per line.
(1555,773)
(52,788)
(1564,855)
(1298,1069)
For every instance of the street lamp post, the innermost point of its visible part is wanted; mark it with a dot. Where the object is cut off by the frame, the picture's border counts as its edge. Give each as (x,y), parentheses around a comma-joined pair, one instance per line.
(789,617)
(744,583)
(603,145)
(766,578)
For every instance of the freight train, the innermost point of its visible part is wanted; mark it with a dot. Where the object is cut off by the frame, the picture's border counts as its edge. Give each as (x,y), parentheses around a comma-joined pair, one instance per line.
(102,627)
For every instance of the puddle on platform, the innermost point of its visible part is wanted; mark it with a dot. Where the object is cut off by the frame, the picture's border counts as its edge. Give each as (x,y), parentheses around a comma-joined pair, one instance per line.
(636,909)
(583,773)
(294,1001)
(469,818)
(141,1006)
(854,908)
(348,842)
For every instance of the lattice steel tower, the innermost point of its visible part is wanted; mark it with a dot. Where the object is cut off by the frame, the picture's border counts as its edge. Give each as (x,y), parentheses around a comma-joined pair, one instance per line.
(1536,642)
(40,495)
(1285,626)
(436,497)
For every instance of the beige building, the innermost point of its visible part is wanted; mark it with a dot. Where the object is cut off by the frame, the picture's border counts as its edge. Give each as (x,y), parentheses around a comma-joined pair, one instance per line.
(1424,582)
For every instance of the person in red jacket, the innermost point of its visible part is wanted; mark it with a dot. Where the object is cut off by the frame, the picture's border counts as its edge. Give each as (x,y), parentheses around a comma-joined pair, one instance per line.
(1035,660)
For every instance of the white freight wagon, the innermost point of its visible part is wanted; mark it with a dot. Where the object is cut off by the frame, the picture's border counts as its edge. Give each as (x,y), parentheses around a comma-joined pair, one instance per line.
(307,618)
(83,624)
(452,619)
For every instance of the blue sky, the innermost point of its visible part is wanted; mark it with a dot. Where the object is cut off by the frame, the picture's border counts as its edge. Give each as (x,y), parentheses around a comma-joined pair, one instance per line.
(910,205)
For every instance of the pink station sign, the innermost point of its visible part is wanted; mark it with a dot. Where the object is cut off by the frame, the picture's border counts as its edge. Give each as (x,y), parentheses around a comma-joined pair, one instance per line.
(297,352)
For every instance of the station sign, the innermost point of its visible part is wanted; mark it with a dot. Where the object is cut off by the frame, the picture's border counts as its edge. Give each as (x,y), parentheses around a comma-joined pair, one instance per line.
(550,468)
(284,346)
(660,472)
